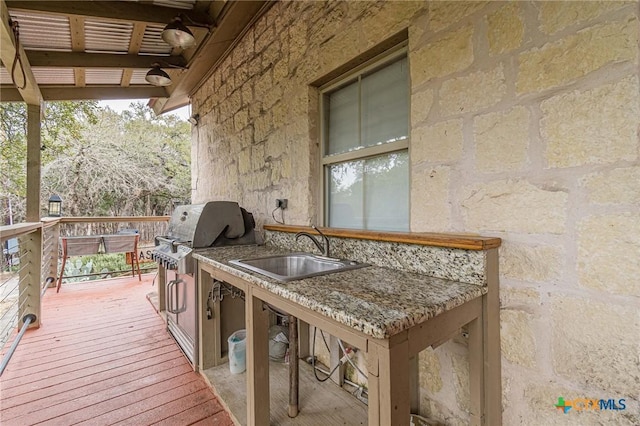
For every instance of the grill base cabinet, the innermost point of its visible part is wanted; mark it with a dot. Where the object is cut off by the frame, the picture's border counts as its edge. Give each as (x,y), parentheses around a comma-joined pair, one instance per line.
(181,311)
(218,319)
(193,227)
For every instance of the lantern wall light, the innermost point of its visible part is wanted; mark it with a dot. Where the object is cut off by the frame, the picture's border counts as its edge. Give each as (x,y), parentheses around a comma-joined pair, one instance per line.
(55,206)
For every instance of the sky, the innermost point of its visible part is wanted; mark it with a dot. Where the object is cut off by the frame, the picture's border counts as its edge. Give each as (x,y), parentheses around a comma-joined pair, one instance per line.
(121,105)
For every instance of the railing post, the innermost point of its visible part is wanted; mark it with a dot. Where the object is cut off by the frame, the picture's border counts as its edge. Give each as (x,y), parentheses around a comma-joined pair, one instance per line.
(52,257)
(30,273)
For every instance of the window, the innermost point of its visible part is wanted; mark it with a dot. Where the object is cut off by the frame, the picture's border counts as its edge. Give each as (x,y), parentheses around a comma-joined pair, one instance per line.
(365,147)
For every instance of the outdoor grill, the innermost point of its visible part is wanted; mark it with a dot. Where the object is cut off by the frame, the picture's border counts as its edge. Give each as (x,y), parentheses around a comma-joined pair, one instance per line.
(196,226)
(192,227)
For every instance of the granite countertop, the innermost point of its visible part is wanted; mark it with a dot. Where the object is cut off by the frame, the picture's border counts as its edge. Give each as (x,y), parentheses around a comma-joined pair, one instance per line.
(379,302)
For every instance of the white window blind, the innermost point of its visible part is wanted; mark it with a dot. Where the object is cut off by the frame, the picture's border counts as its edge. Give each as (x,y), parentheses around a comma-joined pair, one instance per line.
(366,159)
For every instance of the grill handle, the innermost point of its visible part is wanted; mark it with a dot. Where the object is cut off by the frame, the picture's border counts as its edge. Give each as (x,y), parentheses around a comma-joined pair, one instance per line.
(173,295)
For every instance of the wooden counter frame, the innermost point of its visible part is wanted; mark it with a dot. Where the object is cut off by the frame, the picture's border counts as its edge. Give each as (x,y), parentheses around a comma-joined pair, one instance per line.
(391,363)
(388,360)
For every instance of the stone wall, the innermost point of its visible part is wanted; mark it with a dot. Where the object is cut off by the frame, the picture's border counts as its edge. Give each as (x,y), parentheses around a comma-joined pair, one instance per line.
(524,125)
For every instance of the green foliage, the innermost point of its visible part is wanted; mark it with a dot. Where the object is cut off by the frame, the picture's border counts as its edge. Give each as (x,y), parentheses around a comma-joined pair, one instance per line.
(109,262)
(105,264)
(13,157)
(63,122)
(76,267)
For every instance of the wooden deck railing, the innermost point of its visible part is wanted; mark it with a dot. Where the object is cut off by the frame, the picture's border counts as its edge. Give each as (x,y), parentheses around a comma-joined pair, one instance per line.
(21,293)
(39,253)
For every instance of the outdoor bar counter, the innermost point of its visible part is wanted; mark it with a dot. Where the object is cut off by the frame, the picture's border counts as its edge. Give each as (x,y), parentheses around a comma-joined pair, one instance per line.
(389,314)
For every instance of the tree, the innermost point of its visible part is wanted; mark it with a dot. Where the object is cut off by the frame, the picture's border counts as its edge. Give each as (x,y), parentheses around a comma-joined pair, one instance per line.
(98,161)
(62,120)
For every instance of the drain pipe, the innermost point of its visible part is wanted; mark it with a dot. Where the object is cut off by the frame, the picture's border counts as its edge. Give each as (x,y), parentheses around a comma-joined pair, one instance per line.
(293,366)
(26,322)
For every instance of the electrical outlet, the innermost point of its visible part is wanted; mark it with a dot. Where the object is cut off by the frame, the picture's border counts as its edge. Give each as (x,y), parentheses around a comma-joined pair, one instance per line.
(281,203)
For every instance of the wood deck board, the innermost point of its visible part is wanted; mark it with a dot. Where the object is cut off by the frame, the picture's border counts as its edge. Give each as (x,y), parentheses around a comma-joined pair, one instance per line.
(47,377)
(128,412)
(103,356)
(72,389)
(177,406)
(40,354)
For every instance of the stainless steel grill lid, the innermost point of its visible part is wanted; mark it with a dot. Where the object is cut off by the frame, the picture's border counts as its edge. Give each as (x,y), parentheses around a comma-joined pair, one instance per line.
(203,224)
(216,223)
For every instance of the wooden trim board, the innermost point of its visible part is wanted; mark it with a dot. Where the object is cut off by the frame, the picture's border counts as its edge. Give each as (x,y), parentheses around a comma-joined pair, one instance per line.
(459,241)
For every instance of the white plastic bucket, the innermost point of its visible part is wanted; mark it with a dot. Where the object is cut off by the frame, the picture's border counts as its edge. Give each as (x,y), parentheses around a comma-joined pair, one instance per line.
(238,351)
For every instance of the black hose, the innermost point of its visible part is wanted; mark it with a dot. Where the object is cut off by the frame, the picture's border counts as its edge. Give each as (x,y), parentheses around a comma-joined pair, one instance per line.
(313,361)
(15,26)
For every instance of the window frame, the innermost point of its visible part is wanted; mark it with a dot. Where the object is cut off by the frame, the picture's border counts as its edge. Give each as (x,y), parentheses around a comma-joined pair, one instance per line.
(356,74)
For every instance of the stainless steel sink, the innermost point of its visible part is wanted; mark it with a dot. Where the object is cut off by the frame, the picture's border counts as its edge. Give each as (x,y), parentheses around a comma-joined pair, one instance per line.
(295,266)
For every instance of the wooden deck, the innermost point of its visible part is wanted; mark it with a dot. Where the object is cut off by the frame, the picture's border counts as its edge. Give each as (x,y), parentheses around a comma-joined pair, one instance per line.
(102,356)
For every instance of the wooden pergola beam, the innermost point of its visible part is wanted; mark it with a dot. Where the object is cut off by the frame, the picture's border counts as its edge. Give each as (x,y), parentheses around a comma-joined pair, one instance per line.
(31,92)
(41,58)
(102,92)
(112,10)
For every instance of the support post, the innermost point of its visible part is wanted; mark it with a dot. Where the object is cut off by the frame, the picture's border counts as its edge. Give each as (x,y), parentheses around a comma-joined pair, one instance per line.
(29,284)
(30,276)
(34,143)
(54,255)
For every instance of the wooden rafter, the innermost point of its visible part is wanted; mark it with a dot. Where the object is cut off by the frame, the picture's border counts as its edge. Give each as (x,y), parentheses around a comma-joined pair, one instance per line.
(40,58)
(134,47)
(76,24)
(31,92)
(111,10)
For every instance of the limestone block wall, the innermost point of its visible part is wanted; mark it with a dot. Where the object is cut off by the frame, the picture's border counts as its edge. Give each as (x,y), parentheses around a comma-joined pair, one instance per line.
(524,125)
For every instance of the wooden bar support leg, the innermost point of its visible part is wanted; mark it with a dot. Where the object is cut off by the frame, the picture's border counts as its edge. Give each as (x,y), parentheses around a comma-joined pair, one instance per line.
(414,384)
(491,339)
(476,372)
(334,362)
(293,366)
(257,320)
(394,384)
(303,340)
(373,382)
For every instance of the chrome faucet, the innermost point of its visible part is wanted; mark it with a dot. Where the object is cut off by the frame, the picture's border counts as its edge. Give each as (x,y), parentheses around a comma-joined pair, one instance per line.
(324,250)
